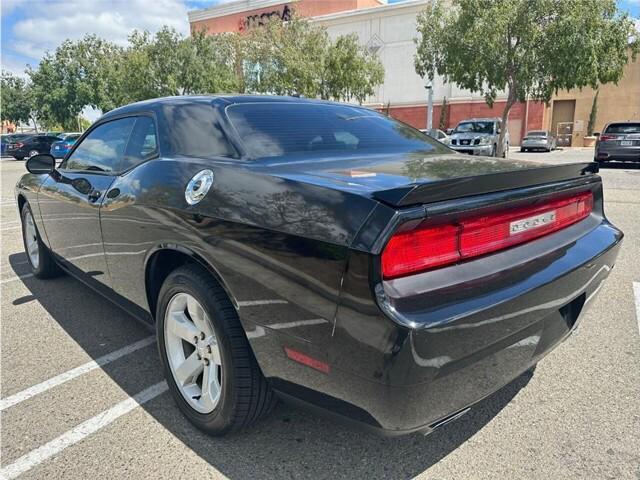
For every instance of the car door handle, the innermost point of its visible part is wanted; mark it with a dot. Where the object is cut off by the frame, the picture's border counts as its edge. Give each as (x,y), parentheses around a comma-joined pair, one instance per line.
(94,195)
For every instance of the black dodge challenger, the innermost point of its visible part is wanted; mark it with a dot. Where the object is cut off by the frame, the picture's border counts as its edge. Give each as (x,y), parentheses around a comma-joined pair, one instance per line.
(321,253)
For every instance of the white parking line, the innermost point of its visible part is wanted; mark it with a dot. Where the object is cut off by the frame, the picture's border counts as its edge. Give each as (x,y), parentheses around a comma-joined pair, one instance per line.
(73,373)
(636,295)
(79,433)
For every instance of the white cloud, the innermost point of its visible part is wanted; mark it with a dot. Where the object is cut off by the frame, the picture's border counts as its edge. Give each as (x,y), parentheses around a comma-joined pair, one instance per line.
(14,65)
(8,6)
(48,24)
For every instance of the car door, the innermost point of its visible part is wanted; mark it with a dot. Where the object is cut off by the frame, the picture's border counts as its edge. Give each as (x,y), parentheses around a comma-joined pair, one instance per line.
(70,199)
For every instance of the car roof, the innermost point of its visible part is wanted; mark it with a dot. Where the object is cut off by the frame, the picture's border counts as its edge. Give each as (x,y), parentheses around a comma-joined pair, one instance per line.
(230,99)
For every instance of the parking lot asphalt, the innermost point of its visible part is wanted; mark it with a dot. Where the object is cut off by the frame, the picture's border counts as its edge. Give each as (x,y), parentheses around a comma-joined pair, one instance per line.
(83,397)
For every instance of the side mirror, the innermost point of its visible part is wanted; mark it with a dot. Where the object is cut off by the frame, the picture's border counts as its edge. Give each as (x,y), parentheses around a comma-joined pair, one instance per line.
(449,131)
(41,163)
(596,134)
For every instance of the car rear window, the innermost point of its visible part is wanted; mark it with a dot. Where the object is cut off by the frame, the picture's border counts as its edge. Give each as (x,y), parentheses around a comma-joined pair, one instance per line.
(623,128)
(272,129)
(192,129)
(536,134)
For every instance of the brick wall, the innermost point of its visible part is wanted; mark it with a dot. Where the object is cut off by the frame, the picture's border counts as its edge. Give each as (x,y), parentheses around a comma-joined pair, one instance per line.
(416,116)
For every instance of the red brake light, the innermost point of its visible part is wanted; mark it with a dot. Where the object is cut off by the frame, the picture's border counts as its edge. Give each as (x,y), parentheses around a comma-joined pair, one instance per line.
(604,138)
(18,145)
(420,249)
(427,247)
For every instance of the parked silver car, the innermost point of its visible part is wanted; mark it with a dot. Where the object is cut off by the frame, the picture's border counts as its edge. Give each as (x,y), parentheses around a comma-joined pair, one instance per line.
(479,136)
(438,134)
(619,141)
(538,140)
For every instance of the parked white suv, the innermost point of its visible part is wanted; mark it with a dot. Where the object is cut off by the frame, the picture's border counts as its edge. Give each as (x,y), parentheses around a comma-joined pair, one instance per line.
(479,136)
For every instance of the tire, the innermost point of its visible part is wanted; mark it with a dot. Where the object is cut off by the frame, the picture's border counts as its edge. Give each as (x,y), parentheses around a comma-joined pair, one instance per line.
(523,150)
(39,257)
(244,395)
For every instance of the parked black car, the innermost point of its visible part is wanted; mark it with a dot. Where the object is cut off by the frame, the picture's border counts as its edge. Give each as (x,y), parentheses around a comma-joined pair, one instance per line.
(619,141)
(30,146)
(321,253)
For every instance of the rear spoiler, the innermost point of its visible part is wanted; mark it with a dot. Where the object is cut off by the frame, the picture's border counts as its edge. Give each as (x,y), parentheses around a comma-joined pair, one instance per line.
(416,193)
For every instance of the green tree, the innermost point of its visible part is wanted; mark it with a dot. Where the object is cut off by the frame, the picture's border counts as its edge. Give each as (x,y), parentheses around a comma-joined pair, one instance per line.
(299,58)
(444,115)
(73,77)
(593,115)
(351,72)
(16,99)
(526,48)
(167,64)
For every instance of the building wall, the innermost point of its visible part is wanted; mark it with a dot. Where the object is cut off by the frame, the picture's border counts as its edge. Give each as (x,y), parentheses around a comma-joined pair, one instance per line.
(619,102)
(394,27)
(416,115)
(235,22)
(392,30)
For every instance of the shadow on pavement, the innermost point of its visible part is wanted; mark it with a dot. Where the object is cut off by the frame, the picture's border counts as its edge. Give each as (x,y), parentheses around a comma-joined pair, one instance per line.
(290,443)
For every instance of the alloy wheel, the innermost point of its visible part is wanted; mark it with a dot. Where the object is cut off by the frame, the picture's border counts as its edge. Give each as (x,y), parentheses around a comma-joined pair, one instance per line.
(193,352)
(31,239)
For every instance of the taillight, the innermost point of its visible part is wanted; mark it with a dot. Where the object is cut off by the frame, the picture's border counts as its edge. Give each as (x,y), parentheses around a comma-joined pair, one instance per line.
(426,247)
(604,138)
(18,145)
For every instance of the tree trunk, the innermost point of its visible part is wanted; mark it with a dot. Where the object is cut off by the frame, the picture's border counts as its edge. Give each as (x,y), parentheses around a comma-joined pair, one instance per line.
(35,125)
(505,117)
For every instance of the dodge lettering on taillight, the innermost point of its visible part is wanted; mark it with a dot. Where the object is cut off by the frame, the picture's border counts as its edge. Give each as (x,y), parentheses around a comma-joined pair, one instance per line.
(532,222)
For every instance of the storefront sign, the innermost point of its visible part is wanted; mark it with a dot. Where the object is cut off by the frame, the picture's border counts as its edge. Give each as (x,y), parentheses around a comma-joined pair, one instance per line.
(252,21)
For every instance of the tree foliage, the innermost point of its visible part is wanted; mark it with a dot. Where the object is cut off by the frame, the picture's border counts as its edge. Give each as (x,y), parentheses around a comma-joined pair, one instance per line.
(444,115)
(16,102)
(593,115)
(295,57)
(71,78)
(299,58)
(527,48)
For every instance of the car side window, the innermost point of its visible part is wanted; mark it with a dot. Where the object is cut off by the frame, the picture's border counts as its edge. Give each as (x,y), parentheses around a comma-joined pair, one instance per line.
(103,149)
(142,145)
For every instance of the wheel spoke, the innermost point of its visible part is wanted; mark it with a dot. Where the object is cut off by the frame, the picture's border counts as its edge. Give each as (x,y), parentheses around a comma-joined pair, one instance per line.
(215,354)
(197,314)
(182,327)
(188,370)
(210,387)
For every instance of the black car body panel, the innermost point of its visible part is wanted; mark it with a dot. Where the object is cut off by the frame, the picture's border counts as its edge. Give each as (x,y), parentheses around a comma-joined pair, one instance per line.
(295,242)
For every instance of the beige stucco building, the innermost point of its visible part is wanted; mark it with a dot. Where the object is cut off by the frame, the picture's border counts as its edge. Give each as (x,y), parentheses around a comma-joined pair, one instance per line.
(616,103)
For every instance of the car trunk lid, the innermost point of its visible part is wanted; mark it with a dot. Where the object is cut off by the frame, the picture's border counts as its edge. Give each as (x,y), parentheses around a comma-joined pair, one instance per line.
(405,179)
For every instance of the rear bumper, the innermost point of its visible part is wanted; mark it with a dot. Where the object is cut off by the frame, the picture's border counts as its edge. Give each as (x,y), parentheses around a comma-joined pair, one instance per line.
(626,154)
(539,145)
(456,343)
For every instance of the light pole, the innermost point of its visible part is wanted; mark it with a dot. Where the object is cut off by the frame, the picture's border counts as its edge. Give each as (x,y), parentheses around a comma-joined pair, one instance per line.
(429,87)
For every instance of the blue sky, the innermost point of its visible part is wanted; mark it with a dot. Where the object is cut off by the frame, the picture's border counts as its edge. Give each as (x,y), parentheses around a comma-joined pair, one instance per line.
(31,27)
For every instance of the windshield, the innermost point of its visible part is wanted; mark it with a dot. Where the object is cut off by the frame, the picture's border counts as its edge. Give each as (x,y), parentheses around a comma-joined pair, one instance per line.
(475,127)
(273,129)
(537,134)
(623,128)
